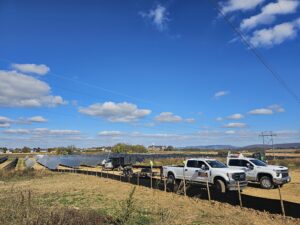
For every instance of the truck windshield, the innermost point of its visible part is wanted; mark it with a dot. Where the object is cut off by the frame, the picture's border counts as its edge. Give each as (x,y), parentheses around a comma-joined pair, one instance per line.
(216,164)
(258,162)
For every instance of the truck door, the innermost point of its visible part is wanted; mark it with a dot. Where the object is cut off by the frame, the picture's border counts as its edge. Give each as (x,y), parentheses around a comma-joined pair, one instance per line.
(191,169)
(203,173)
(249,169)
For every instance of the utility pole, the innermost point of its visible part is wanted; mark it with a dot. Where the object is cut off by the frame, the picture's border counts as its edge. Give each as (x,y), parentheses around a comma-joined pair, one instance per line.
(268,138)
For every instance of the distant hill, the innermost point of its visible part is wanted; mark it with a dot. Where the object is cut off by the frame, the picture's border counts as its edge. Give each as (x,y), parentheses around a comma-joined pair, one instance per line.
(276,146)
(231,147)
(211,147)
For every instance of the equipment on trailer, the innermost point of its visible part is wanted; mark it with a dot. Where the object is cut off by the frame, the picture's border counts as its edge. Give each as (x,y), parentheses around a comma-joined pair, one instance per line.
(114,163)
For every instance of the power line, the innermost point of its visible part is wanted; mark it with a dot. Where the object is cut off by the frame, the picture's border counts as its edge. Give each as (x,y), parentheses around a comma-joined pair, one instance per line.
(257,53)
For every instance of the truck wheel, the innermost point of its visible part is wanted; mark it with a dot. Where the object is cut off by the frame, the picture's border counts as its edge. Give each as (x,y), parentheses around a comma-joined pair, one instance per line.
(266,182)
(220,186)
(171,183)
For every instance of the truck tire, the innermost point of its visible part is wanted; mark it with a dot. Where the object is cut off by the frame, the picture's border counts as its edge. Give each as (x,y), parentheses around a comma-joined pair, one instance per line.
(266,182)
(171,183)
(220,186)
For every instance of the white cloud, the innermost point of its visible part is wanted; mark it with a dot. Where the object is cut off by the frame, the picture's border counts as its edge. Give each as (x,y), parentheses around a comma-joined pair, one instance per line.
(277,108)
(5,122)
(20,90)
(158,17)
(235,116)
(269,37)
(269,12)
(42,132)
(190,120)
(115,112)
(4,125)
(261,111)
(168,117)
(235,125)
(37,119)
(220,94)
(16,131)
(110,133)
(40,69)
(234,5)
(230,132)
(56,132)
(219,119)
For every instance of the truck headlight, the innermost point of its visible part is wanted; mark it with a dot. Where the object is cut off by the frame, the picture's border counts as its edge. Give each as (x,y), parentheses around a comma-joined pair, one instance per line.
(278,172)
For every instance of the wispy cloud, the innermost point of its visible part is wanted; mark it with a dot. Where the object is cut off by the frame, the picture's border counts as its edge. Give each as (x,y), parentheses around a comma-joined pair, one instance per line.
(7,122)
(269,12)
(268,110)
(158,17)
(235,125)
(220,94)
(243,5)
(42,132)
(268,37)
(168,117)
(261,111)
(40,69)
(236,116)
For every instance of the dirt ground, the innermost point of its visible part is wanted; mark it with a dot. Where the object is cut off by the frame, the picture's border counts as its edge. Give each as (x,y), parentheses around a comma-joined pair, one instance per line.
(80,191)
(290,192)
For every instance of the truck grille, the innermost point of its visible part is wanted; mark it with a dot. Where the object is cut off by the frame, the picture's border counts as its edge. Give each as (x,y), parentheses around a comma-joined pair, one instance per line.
(285,175)
(239,176)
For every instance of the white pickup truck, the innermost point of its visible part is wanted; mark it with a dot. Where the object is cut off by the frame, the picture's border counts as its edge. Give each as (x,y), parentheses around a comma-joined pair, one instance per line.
(203,170)
(258,171)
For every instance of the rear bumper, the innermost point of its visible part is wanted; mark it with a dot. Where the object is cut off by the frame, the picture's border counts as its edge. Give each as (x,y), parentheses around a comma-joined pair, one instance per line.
(282,180)
(233,185)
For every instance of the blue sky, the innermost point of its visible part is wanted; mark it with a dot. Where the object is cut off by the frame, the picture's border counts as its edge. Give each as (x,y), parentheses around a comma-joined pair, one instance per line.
(94,73)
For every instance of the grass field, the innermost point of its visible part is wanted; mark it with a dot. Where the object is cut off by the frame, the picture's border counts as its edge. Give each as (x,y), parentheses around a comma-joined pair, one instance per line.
(98,199)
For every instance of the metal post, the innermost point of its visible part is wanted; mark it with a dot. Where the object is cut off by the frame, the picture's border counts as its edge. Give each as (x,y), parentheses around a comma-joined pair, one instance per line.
(281,201)
(184,187)
(240,197)
(208,191)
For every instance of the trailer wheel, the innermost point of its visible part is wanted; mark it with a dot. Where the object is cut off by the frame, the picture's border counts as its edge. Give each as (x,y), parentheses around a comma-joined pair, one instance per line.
(220,186)
(266,182)
(171,183)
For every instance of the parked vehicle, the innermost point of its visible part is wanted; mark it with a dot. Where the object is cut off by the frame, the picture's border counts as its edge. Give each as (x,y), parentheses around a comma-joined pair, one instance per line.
(258,171)
(113,163)
(203,171)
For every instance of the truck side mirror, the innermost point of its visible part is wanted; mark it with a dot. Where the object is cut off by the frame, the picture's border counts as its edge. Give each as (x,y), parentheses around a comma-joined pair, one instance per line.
(203,167)
(249,166)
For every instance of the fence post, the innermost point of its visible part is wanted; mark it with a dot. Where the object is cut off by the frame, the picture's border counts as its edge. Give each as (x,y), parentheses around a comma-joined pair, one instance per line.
(165,184)
(281,201)
(184,187)
(240,197)
(208,191)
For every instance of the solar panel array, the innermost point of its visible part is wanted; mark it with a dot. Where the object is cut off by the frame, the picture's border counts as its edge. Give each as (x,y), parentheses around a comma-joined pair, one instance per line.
(75,161)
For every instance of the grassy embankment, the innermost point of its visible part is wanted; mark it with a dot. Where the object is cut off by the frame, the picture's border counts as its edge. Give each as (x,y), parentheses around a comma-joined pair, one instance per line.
(47,198)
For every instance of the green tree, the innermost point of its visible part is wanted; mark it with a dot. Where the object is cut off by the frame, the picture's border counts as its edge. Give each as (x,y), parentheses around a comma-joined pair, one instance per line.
(169,148)
(125,148)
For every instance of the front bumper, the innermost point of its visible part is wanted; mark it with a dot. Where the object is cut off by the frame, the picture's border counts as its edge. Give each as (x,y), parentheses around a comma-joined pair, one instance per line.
(282,180)
(233,185)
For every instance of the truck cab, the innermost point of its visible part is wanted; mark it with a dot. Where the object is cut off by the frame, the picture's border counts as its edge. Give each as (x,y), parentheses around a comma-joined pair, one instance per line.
(211,171)
(260,172)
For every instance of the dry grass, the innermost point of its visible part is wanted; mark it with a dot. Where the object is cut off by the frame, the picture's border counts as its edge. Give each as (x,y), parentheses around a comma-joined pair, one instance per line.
(145,206)
(290,192)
